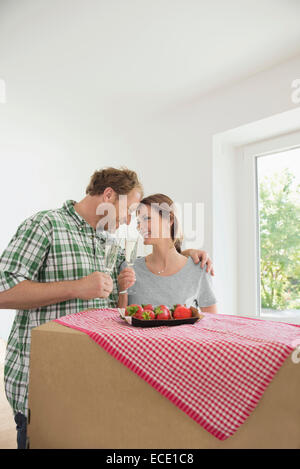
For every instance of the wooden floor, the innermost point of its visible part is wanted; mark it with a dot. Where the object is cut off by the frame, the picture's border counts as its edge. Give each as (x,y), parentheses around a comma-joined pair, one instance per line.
(8,432)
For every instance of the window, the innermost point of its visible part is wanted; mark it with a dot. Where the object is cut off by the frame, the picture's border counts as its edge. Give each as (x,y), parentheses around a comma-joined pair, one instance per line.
(268,219)
(278,185)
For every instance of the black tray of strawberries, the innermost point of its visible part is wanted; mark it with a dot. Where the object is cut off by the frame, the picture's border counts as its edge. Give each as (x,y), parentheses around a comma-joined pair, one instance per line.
(149,316)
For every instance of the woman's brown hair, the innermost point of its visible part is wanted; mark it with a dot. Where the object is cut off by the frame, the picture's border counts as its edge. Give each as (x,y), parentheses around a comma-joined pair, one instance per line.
(160,203)
(122,181)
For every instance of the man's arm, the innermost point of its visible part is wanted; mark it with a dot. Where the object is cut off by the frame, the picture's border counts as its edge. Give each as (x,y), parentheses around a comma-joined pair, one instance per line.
(20,265)
(29,295)
(198,255)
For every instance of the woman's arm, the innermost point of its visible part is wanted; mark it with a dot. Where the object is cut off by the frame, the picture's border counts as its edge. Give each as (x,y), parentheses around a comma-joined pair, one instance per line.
(123,300)
(209,309)
(126,279)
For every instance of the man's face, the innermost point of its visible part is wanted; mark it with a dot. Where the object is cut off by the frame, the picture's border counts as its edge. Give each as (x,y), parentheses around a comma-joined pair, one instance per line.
(117,210)
(126,206)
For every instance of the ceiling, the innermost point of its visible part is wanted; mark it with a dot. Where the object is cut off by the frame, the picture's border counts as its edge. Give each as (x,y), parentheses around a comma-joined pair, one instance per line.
(153,52)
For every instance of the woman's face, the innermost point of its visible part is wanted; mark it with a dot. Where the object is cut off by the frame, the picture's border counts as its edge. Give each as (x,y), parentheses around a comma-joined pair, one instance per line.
(152,226)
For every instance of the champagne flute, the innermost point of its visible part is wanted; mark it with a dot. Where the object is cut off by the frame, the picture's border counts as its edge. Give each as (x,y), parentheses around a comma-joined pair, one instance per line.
(112,247)
(131,246)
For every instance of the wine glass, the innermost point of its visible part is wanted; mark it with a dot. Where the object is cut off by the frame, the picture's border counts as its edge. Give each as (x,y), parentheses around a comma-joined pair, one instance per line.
(131,247)
(112,247)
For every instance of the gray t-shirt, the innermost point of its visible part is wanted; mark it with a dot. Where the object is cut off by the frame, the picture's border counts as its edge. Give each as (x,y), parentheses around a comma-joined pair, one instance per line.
(191,285)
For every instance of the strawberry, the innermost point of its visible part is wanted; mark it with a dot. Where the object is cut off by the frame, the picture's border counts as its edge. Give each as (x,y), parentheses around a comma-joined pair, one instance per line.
(174,307)
(148,307)
(132,309)
(163,315)
(162,312)
(181,312)
(147,315)
(138,315)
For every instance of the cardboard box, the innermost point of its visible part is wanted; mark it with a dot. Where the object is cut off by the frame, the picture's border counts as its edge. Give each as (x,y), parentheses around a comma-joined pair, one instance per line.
(82,397)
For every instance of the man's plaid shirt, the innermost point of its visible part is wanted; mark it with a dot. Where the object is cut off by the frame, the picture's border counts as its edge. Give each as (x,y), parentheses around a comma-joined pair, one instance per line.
(50,246)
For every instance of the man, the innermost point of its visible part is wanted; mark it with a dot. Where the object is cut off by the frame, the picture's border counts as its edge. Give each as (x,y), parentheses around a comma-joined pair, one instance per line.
(54,266)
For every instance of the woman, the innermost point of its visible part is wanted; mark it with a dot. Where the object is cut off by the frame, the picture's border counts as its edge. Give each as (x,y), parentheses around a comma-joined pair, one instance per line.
(165,276)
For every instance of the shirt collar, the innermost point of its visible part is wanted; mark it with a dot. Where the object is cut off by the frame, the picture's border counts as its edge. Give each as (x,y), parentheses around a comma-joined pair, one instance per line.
(80,221)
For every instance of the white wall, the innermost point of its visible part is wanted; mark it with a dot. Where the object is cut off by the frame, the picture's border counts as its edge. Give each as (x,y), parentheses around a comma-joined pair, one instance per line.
(54,136)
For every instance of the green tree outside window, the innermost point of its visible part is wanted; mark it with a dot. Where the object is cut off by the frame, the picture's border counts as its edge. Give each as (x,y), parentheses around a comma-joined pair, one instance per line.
(279,213)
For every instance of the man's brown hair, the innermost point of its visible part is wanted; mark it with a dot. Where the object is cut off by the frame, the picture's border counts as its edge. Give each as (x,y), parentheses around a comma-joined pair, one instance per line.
(122,181)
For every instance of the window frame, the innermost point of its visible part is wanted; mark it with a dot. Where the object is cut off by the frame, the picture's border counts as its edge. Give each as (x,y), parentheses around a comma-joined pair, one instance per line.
(249,295)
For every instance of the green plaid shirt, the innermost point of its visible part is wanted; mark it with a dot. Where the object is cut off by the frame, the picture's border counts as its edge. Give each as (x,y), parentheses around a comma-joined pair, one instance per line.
(50,246)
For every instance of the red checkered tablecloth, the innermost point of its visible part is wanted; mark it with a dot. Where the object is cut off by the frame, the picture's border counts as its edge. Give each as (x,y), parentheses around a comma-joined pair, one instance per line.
(215,370)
